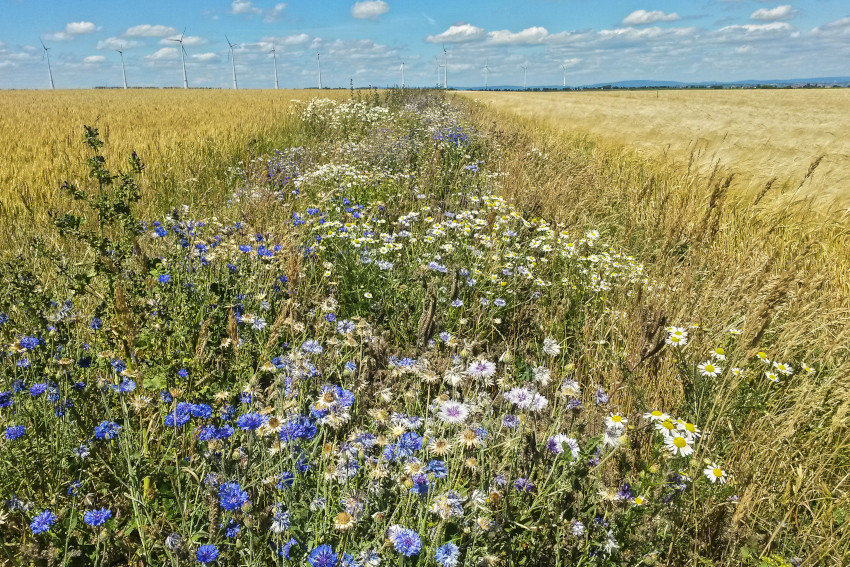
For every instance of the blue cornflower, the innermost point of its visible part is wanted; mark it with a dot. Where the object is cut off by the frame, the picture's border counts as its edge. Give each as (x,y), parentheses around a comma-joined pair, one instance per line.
(159,232)
(232,497)
(311,347)
(183,373)
(231,528)
(524,485)
(447,555)
(206,553)
(164,278)
(38,389)
(245,248)
(437,468)
(280,519)
(499,302)
(6,399)
(107,430)
(322,556)
(408,444)
(96,324)
(82,452)
(23,363)
(165,396)
(287,480)
(350,367)
(406,541)
(201,411)
(421,486)
(224,432)
(345,326)
(250,421)
(29,343)
(126,386)
(601,397)
(205,433)
(74,487)
(96,518)
(510,421)
(42,522)
(118,365)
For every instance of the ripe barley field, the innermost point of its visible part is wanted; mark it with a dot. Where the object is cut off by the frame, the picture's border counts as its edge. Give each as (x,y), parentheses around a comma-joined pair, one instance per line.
(764,136)
(185,136)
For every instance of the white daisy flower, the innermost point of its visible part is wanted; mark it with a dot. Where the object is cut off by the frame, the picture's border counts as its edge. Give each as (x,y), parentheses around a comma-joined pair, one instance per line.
(718,354)
(656,415)
(772,376)
(709,369)
(679,445)
(688,428)
(785,369)
(715,474)
(614,420)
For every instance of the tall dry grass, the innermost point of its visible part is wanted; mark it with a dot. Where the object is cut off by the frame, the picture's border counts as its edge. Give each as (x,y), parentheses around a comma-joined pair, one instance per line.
(187,138)
(781,277)
(791,138)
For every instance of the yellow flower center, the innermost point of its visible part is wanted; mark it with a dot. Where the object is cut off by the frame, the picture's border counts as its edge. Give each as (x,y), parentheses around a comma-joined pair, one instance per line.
(679,442)
(668,425)
(717,472)
(656,413)
(638,500)
(690,427)
(616,418)
(720,351)
(709,368)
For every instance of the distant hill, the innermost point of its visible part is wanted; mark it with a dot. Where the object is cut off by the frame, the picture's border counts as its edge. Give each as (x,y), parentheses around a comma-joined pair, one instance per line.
(648,84)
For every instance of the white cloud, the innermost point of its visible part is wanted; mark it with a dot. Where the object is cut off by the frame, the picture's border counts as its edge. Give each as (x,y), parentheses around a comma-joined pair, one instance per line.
(94,59)
(570,62)
(275,13)
(526,36)
(743,49)
(58,36)
(457,33)
(164,53)
(205,57)
(641,17)
(785,12)
(290,40)
(147,30)
(837,27)
(79,28)
(244,8)
(188,40)
(117,43)
(758,29)
(369,9)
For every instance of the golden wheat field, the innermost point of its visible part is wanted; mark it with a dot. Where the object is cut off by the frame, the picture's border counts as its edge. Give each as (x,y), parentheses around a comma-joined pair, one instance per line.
(179,134)
(758,134)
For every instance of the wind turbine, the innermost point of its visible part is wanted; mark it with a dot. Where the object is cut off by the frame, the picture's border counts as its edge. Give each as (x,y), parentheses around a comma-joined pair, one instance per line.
(564,67)
(183,58)
(123,69)
(524,76)
(319,65)
(274,56)
(230,47)
(486,72)
(49,70)
(445,69)
(437,68)
(402,74)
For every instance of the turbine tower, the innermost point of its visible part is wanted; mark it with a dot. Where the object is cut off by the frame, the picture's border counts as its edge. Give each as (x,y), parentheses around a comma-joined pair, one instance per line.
(445,69)
(486,73)
(402,74)
(524,76)
(49,70)
(564,67)
(437,68)
(183,58)
(319,65)
(274,56)
(123,69)
(230,47)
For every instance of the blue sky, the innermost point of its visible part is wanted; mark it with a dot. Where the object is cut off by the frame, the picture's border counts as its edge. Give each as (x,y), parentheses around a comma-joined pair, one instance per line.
(367,41)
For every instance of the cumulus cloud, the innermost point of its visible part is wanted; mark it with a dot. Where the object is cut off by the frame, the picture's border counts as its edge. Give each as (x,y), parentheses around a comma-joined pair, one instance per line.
(188,40)
(58,36)
(570,62)
(369,9)
(94,59)
(275,13)
(458,33)
(117,43)
(79,28)
(147,30)
(244,8)
(758,29)
(205,57)
(641,17)
(836,27)
(526,36)
(785,12)
(164,53)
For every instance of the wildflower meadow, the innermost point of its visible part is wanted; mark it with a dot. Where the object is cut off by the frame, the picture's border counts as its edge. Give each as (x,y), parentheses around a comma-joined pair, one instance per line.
(365,355)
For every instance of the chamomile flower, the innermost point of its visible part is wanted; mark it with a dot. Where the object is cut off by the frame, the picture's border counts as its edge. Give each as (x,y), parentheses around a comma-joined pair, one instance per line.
(688,428)
(656,415)
(718,354)
(676,340)
(737,372)
(666,427)
(763,357)
(679,444)
(783,368)
(615,420)
(709,369)
(714,473)
(772,376)
(639,501)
